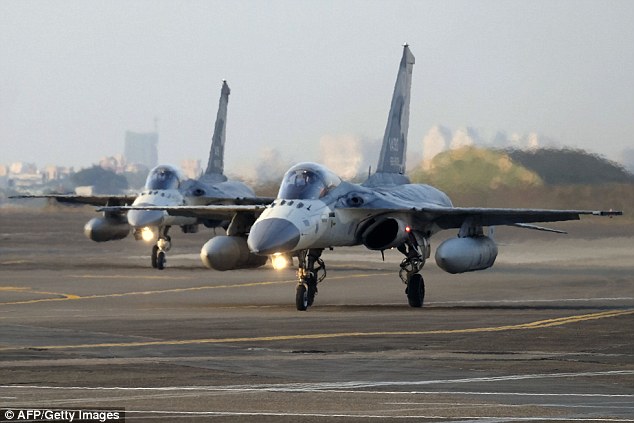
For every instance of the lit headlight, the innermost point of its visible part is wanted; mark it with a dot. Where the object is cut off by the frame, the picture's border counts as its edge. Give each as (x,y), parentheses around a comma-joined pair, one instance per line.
(279,261)
(147,234)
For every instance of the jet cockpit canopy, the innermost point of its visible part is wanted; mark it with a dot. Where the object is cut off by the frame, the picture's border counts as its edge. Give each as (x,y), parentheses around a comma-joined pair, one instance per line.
(307,181)
(163,177)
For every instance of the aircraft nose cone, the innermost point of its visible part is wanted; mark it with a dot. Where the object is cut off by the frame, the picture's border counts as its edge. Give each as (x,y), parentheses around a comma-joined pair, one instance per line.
(143,218)
(273,235)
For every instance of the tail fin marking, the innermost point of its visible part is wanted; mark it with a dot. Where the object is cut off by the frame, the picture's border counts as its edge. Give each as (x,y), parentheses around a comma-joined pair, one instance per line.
(392,158)
(391,167)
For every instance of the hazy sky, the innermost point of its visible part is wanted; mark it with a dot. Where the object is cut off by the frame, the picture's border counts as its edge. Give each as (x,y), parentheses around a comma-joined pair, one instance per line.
(75,75)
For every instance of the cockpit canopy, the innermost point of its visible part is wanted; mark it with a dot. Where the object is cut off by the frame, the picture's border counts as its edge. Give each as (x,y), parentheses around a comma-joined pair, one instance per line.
(307,181)
(163,177)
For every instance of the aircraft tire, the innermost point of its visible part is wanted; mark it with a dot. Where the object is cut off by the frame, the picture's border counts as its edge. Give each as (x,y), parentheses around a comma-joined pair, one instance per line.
(154,256)
(416,290)
(301,297)
(160,260)
(311,282)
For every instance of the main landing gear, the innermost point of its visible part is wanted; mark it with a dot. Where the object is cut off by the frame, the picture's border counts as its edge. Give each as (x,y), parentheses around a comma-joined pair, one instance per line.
(312,270)
(410,267)
(162,246)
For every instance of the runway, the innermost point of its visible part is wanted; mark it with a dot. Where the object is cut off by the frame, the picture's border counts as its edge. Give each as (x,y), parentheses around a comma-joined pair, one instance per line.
(546,335)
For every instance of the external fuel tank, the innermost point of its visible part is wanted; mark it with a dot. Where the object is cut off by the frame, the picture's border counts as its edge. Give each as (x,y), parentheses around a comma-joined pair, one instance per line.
(459,255)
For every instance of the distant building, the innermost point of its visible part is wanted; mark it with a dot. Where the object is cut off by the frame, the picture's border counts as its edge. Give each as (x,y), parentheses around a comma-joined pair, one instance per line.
(4,176)
(191,168)
(85,190)
(22,168)
(56,173)
(141,148)
(116,163)
(24,175)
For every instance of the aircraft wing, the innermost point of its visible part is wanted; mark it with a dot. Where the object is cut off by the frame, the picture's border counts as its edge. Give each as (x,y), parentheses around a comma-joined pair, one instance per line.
(94,200)
(218,212)
(454,217)
(234,201)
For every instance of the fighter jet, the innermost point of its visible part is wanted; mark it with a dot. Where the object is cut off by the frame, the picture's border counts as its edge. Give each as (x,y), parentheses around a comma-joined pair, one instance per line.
(316,210)
(166,186)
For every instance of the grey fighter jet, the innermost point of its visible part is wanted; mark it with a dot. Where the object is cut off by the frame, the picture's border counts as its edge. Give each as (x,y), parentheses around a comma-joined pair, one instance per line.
(316,210)
(165,186)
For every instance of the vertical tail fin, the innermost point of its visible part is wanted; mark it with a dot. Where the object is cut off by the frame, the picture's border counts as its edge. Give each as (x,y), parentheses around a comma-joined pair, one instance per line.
(215,166)
(391,167)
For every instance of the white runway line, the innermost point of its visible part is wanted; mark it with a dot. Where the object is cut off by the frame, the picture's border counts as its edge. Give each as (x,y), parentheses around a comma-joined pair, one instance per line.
(535,300)
(460,419)
(362,386)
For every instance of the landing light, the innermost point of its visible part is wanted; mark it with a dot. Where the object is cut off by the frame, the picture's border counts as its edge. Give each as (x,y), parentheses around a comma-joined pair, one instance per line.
(279,261)
(147,234)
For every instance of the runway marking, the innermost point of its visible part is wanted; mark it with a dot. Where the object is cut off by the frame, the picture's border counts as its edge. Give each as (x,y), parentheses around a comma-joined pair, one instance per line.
(331,387)
(467,404)
(479,419)
(135,293)
(350,388)
(539,324)
(60,296)
(535,300)
(162,277)
(168,291)
(362,386)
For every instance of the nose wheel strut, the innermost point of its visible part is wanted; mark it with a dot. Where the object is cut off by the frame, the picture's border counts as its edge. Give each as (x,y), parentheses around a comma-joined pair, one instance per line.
(159,250)
(312,270)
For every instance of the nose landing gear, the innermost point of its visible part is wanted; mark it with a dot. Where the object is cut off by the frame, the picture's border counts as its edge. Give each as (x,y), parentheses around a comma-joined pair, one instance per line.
(312,270)
(162,246)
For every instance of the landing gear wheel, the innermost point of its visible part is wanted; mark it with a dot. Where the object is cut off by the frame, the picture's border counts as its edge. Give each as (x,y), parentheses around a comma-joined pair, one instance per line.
(155,250)
(415,290)
(311,282)
(160,260)
(301,297)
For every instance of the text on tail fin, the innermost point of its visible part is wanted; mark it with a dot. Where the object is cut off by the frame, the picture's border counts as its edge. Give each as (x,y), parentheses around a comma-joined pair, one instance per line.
(394,147)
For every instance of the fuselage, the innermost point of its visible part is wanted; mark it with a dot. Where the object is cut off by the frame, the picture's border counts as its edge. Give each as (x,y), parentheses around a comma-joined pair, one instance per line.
(321,211)
(165,186)
(157,218)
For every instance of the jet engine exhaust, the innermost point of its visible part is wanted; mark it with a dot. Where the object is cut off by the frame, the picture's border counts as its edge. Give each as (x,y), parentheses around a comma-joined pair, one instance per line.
(459,255)
(228,253)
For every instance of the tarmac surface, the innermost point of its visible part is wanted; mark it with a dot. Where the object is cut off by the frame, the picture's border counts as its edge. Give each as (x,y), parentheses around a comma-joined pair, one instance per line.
(547,334)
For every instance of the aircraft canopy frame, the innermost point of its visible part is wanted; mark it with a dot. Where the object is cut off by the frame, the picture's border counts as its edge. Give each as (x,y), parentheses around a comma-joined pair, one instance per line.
(307,181)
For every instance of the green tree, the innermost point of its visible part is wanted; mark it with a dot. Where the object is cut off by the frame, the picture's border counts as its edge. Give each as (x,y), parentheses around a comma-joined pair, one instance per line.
(104,181)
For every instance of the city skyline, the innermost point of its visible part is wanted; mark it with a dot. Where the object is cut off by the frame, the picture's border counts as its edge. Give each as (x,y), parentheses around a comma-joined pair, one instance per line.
(77,75)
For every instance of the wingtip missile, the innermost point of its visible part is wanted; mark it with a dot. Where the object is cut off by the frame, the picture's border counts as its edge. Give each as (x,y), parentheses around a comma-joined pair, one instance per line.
(609,213)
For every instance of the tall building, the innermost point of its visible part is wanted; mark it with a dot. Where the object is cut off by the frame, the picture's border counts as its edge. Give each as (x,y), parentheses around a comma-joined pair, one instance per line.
(191,168)
(141,148)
